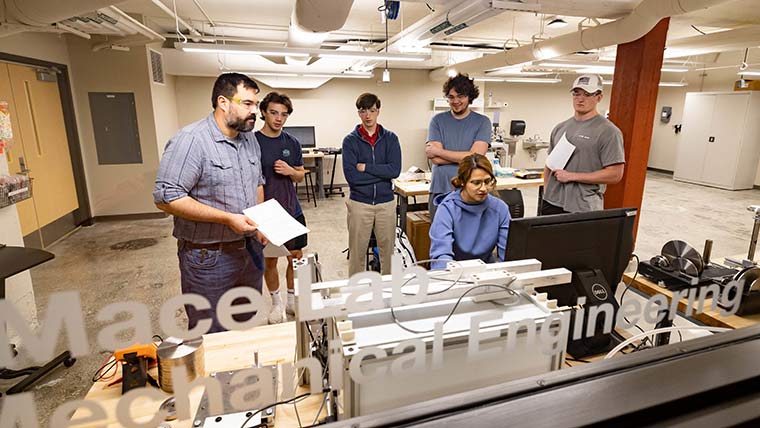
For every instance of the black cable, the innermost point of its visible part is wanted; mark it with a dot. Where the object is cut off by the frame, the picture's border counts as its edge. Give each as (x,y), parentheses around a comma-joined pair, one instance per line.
(627,286)
(105,368)
(430,7)
(453,309)
(577,360)
(292,400)
(698,30)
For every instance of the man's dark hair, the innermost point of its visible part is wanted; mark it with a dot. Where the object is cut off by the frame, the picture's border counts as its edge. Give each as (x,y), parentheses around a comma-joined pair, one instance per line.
(367,101)
(277,98)
(463,85)
(226,85)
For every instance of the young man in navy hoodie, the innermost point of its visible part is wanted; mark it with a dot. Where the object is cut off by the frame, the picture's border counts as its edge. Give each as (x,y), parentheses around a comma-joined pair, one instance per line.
(371,159)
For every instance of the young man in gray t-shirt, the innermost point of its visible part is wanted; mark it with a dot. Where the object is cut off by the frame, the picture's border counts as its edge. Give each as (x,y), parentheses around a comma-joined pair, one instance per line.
(597,160)
(455,134)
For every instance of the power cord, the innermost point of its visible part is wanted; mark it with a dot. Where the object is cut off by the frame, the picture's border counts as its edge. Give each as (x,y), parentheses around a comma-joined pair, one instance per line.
(292,400)
(453,309)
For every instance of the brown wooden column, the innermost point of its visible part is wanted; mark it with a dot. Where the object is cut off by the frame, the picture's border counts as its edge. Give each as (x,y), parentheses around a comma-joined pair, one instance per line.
(633,104)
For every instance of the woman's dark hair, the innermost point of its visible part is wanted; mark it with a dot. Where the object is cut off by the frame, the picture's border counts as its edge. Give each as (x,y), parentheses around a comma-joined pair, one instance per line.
(277,98)
(226,85)
(469,164)
(367,101)
(463,85)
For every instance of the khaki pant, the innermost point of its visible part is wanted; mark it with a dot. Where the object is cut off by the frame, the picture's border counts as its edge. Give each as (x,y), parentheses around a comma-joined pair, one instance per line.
(362,218)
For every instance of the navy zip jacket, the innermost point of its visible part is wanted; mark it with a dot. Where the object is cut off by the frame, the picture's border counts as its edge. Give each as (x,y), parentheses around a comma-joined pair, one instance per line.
(382,164)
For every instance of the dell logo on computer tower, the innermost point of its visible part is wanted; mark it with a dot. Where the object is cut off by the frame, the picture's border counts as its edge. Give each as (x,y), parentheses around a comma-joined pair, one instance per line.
(599,291)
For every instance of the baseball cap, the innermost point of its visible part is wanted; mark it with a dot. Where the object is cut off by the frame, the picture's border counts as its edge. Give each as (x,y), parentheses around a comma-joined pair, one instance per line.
(588,82)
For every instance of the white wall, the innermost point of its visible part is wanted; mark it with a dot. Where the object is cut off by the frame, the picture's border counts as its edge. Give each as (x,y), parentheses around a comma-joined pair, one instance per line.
(406,109)
(718,77)
(115,189)
(164,98)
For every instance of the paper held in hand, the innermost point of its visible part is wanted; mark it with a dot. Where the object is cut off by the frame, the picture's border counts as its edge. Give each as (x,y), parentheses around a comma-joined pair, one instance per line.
(560,154)
(274,222)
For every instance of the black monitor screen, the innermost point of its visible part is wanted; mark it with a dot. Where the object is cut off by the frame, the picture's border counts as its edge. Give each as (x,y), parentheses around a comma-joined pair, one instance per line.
(304,134)
(594,240)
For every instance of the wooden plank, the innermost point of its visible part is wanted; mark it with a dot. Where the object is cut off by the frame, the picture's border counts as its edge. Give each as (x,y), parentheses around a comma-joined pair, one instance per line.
(230,350)
(708,317)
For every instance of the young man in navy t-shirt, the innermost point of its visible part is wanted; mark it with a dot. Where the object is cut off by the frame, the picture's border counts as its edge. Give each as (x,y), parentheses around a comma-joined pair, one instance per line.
(282,165)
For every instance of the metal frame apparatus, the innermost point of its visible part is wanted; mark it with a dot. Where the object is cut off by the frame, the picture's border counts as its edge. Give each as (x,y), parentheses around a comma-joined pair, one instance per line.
(469,289)
(709,381)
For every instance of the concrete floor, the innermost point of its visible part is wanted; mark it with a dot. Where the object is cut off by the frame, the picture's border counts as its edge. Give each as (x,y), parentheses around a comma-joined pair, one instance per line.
(136,260)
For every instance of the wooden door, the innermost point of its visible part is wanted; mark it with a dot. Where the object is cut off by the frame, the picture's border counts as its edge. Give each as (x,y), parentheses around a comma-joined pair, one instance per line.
(40,147)
(692,147)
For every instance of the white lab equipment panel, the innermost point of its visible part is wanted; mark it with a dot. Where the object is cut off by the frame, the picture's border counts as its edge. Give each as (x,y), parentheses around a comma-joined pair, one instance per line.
(720,142)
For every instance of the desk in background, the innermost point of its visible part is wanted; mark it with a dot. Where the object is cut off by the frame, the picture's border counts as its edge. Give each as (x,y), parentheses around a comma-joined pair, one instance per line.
(406,189)
(229,350)
(318,166)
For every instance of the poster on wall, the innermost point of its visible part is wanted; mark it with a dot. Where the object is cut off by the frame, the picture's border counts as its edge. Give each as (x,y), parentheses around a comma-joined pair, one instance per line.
(6,132)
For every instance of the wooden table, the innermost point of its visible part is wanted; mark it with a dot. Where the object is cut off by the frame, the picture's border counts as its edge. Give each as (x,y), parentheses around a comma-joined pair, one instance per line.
(318,166)
(230,350)
(708,317)
(406,189)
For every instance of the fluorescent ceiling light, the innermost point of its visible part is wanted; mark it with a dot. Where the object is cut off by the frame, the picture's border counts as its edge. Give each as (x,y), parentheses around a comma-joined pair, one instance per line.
(268,73)
(675,84)
(749,73)
(557,23)
(341,75)
(518,79)
(672,69)
(532,80)
(596,70)
(562,65)
(379,56)
(295,52)
(238,49)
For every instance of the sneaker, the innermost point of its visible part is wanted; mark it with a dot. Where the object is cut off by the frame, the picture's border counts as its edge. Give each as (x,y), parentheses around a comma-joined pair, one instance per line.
(290,308)
(275,314)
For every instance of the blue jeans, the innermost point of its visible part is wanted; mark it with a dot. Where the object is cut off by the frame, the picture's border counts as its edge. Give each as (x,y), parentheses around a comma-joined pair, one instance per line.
(212,272)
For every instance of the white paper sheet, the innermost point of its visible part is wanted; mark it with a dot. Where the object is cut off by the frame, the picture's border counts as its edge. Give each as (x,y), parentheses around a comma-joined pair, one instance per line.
(275,251)
(561,153)
(274,222)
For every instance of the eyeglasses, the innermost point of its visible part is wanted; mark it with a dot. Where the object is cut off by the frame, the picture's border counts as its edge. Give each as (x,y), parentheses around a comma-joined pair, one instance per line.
(365,111)
(584,94)
(488,182)
(459,97)
(247,104)
(275,113)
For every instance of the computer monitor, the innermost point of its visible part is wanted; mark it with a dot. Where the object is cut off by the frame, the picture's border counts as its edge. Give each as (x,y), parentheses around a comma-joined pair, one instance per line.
(596,246)
(600,240)
(304,134)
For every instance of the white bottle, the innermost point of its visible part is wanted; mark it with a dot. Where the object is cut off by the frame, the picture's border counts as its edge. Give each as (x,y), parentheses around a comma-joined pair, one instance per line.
(496,167)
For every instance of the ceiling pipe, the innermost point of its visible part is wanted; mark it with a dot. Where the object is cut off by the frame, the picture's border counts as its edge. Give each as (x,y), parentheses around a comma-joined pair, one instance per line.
(195,33)
(311,22)
(723,41)
(629,28)
(137,25)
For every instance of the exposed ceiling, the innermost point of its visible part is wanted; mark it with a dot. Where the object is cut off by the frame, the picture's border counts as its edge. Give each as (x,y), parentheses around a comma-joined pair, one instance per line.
(265,24)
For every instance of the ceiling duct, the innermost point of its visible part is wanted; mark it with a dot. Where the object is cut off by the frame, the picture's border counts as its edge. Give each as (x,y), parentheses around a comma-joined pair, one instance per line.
(45,12)
(311,22)
(629,28)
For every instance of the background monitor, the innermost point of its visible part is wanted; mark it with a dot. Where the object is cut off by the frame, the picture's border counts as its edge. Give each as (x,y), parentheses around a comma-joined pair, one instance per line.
(579,242)
(304,134)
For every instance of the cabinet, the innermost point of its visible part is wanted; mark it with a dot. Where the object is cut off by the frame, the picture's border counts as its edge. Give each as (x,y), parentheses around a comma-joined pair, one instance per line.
(720,142)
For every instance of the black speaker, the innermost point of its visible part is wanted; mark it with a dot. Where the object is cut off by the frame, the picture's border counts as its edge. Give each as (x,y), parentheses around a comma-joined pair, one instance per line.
(517,127)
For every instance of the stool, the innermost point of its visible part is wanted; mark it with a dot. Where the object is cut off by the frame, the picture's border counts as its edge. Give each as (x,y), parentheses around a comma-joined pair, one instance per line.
(309,183)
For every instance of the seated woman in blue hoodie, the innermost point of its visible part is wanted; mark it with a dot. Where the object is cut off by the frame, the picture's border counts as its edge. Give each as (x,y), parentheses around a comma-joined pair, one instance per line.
(470,222)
